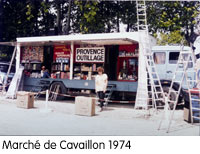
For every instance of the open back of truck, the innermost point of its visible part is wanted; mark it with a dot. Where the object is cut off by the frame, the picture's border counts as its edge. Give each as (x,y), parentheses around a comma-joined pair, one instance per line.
(72,62)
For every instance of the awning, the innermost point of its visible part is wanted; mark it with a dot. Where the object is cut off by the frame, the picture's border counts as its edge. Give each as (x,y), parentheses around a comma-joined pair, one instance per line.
(93,39)
(89,42)
(8,43)
(89,39)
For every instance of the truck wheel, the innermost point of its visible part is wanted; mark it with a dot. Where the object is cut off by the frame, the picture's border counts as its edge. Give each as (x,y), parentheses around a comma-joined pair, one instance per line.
(172,96)
(61,90)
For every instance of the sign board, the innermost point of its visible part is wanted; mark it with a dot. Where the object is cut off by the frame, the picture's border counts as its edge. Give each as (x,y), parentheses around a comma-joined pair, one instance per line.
(32,54)
(90,55)
(61,52)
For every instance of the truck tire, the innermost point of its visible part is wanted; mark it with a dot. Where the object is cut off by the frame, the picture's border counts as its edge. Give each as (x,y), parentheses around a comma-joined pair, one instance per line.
(172,96)
(62,90)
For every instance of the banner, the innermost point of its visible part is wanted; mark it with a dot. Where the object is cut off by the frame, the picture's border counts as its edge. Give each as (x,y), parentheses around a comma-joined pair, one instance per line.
(32,54)
(61,52)
(90,55)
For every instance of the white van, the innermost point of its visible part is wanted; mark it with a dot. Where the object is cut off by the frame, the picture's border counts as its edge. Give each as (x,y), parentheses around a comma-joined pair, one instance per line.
(165,58)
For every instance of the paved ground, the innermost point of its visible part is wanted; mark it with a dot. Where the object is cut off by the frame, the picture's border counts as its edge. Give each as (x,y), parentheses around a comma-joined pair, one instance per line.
(61,120)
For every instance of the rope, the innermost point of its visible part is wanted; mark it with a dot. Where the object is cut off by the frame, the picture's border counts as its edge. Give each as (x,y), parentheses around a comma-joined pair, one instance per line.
(67,95)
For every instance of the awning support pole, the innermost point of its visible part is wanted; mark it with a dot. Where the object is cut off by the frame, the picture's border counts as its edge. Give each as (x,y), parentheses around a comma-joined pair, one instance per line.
(18,53)
(71,61)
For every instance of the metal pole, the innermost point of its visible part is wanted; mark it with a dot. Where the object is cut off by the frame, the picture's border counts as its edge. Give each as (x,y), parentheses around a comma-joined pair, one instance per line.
(47,98)
(71,61)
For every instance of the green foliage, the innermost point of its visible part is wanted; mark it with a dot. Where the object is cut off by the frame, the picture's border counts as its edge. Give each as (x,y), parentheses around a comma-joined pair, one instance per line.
(168,17)
(171,38)
(36,17)
(87,16)
(128,15)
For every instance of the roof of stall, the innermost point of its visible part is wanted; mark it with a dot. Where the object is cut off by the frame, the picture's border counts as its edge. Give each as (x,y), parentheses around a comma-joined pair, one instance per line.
(8,43)
(97,39)
(170,47)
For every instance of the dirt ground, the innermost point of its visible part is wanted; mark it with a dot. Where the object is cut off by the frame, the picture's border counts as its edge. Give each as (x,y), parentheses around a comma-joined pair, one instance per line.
(58,118)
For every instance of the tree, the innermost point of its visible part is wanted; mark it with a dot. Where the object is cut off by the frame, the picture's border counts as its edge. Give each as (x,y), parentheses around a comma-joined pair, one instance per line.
(14,17)
(173,16)
(86,16)
(33,15)
(128,15)
(1,19)
(171,38)
(68,17)
(47,18)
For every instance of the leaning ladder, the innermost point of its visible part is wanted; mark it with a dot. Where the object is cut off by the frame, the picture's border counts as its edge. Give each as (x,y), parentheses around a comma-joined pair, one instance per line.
(149,81)
(181,73)
(194,90)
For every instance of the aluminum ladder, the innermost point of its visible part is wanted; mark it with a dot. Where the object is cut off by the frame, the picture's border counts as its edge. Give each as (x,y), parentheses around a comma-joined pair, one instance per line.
(148,82)
(181,73)
(53,92)
(194,105)
(109,92)
(15,83)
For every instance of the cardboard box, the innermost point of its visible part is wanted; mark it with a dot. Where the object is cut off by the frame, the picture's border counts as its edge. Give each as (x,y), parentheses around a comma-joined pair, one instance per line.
(85,106)
(25,99)
(186,115)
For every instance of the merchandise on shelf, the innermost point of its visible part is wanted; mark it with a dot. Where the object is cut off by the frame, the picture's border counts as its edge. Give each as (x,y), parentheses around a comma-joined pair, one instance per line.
(127,64)
(85,71)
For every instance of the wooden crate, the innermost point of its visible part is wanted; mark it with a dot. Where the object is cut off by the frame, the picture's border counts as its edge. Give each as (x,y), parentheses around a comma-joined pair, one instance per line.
(85,106)
(25,99)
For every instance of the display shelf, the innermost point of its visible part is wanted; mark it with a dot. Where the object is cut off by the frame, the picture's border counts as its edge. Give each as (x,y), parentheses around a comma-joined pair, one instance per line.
(62,67)
(128,56)
(59,71)
(32,66)
(31,62)
(86,71)
(127,63)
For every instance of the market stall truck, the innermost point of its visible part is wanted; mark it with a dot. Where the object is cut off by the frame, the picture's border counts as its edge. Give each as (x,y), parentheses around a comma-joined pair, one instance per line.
(72,62)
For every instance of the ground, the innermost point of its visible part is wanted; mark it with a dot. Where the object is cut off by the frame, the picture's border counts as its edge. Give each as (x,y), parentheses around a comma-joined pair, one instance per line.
(58,118)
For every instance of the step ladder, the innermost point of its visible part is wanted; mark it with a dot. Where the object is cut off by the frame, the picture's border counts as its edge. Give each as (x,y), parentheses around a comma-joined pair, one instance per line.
(14,85)
(53,92)
(44,85)
(194,90)
(5,81)
(109,92)
(181,73)
(148,82)
(194,97)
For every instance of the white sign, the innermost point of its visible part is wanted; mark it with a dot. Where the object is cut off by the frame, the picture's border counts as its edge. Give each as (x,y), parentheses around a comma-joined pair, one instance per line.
(90,55)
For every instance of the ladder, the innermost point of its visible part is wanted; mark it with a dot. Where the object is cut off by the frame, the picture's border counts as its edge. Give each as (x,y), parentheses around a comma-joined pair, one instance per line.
(14,85)
(8,72)
(54,91)
(181,73)
(194,90)
(194,105)
(44,85)
(148,81)
(109,91)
